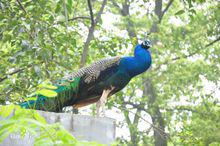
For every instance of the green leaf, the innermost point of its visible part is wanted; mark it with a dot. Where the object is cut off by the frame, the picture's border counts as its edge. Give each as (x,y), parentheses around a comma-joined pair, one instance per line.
(30,98)
(47,93)
(73,42)
(23,132)
(47,86)
(65,136)
(43,142)
(38,123)
(6,134)
(39,118)
(192,11)
(69,5)
(180,12)
(190,3)
(5,111)
(58,6)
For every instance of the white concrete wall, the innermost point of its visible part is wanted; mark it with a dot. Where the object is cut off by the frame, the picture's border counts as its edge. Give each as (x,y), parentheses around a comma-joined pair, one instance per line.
(86,128)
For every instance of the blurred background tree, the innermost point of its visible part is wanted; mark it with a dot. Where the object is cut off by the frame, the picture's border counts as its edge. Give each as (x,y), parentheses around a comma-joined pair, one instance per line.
(175,103)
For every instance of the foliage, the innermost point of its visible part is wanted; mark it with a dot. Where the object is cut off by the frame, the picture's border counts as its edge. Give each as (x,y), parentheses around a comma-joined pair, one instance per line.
(40,42)
(17,120)
(199,131)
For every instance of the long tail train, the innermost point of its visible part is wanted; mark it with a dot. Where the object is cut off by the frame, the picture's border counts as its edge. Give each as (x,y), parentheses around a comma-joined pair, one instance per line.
(53,97)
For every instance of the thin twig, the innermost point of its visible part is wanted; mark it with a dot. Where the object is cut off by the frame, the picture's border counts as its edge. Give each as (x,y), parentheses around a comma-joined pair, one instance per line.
(160,131)
(191,54)
(165,10)
(211,43)
(137,106)
(142,109)
(79,17)
(21,6)
(16,71)
(186,56)
(100,11)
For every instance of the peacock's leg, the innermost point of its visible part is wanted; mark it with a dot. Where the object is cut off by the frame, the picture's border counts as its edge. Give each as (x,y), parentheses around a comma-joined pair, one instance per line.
(97,108)
(102,101)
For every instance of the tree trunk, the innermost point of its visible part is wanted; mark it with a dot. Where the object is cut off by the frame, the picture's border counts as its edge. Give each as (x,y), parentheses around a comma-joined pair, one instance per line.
(132,125)
(159,137)
(91,31)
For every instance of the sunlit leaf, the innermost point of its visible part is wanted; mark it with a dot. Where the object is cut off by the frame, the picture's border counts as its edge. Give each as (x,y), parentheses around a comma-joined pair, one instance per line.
(5,111)
(47,86)
(180,12)
(47,93)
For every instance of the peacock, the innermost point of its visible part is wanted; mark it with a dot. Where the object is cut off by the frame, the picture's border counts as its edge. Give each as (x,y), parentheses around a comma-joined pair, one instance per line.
(92,84)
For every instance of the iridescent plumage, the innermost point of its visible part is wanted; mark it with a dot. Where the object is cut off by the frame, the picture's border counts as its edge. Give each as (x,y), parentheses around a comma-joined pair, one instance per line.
(94,83)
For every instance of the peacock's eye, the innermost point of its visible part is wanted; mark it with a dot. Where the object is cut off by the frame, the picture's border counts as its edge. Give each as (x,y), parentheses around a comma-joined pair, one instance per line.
(70,79)
(42,99)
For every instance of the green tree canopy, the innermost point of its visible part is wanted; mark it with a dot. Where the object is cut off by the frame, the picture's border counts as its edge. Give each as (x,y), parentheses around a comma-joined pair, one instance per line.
(45,40)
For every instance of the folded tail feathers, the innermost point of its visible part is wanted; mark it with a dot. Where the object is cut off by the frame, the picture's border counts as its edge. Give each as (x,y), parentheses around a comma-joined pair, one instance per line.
(52,97)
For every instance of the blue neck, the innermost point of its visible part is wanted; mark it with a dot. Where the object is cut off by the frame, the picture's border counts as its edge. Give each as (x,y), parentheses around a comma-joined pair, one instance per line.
(137,64)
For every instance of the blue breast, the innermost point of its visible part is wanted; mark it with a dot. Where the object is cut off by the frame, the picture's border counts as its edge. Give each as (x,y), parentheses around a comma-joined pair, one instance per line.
(137,64)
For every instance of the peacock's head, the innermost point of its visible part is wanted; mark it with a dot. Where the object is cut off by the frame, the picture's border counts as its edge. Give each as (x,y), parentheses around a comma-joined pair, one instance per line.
(146,44)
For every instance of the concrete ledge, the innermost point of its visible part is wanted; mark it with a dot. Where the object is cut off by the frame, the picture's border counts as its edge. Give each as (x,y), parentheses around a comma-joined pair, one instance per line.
(82,127)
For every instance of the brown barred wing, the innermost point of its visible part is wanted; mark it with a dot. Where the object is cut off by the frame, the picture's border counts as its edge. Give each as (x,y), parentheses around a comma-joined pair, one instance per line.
(92,72)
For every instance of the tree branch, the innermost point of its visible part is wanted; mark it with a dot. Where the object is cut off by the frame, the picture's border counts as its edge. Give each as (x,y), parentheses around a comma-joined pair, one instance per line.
(181,108)
(128,21)
(163,134)
(187,56)
(21,6)
(211,43)
(126,117)
(91,31)
(137,106)
(116,5)
(165,10)
(91,13)
(136,116)
(79,17)
(100,11)
(16,71)
(190,55)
